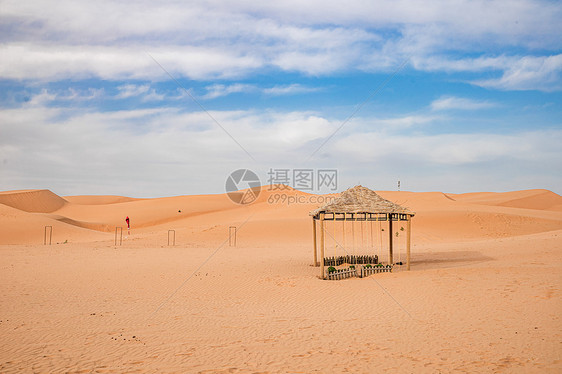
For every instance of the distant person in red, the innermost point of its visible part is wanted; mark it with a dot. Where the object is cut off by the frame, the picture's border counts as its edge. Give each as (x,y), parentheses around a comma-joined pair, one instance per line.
(128,225)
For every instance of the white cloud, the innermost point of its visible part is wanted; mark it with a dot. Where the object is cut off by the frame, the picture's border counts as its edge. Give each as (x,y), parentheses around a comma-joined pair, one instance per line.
(452,102)
(82,95)
(143,91)
(92,152)
(45,95)
(131,90)
(313,62)
(454,149)
(152,95)
(467,64)
(218,90)
(75,152)
(42,97)
(110,21)
(403,122)
(297,129)
(542,73)
(289,89)
(55,40)
(42,62)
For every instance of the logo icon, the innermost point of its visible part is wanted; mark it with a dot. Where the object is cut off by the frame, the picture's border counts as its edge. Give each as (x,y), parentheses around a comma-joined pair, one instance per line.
(243,186)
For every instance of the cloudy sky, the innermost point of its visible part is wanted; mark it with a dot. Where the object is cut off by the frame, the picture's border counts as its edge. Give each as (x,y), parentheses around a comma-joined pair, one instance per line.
(163,98)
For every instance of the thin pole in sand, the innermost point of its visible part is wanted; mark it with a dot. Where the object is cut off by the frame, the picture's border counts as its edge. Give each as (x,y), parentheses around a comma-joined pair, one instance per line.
(118,235)
(172,233)
(334,238)
(232,236)
(362,236)
(354,219)
(344,243)
(372,244)
(314,241)
(322,245)
(408,242)
(390,244)
(50,230)
(380,238)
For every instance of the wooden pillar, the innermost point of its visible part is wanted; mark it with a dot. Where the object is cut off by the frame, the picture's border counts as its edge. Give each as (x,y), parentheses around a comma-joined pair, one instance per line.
(353,233)
(371,228)
(343,232)
(408,240)
(322,245)
(362,238)
(314,241)
(390,249)
(344,242)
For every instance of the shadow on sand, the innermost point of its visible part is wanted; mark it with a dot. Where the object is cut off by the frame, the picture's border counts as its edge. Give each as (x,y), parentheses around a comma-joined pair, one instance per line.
(435,260)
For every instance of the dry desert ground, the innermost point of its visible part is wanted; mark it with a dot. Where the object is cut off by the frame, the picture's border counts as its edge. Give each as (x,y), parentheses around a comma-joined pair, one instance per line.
(483,293)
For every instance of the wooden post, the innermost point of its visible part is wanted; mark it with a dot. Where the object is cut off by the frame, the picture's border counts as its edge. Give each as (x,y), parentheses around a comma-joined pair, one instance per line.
(314,240)
(390,254)
(119,238)
(408,240)
(344,243)
(50,230)
(371,228)
(172,233)
(362,238)
(354,219)
(322,245)
(232,238)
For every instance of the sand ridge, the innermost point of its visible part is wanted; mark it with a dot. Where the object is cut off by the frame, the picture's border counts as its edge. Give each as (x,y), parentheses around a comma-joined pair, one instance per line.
(283,210)
(33,201)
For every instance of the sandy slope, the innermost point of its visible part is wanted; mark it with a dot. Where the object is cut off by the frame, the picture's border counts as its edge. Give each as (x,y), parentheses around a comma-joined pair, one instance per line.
(530,199)
(98,200)
(483,294)
(440,217)
(33,201)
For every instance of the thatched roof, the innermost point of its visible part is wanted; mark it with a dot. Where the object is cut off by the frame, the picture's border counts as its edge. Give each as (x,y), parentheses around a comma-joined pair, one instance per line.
(360,199)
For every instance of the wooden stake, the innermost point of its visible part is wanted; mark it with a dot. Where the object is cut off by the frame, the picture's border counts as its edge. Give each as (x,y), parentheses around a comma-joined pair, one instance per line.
(344,244)
(314,241)
(322,245)
(353,235)
(232,238)
(334,238)
(371,228)
(362,238)
(408,241)
(172,234)
(50,230)
(119,239)
(390,249)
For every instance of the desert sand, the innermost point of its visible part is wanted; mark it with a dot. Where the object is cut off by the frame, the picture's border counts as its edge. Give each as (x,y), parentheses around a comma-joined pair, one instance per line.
(483,293)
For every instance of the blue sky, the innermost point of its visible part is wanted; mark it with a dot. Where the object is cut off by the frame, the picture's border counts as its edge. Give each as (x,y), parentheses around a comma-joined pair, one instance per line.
(452,96)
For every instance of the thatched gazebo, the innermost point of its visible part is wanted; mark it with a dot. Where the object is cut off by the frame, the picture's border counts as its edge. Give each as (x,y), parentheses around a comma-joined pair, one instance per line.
(359,205)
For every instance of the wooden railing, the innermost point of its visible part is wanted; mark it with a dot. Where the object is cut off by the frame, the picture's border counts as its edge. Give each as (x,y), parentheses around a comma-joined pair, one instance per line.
(364,271)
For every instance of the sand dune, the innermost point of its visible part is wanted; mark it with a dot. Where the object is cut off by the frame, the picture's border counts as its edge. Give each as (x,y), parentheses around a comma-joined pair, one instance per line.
(484,293)
(98,200)
(529,199)
(34,201)
(440,217)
